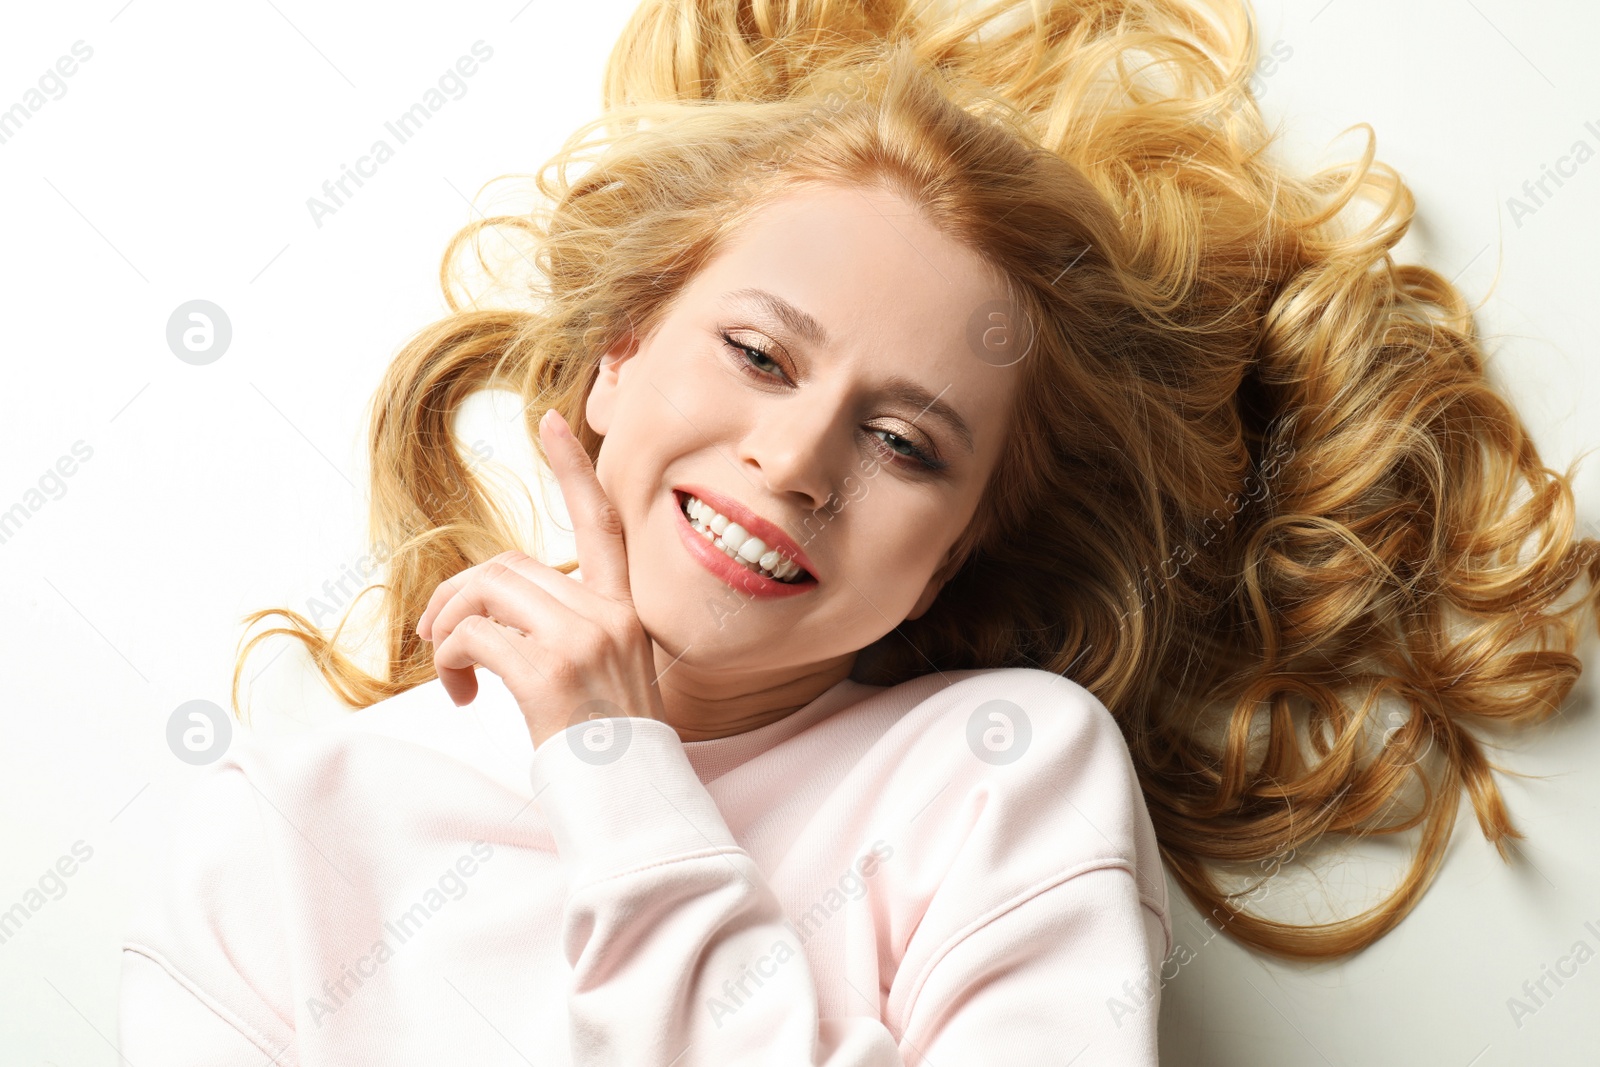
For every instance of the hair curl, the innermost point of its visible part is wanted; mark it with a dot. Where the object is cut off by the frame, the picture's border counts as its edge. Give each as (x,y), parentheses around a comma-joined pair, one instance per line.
(1256,478)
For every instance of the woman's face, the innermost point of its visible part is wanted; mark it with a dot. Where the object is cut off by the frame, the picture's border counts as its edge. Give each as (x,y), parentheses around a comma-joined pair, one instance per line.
(822,436)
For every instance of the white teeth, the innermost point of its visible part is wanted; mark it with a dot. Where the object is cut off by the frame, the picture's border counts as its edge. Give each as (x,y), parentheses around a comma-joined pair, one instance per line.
(752,550)
(737,543)
(734,535)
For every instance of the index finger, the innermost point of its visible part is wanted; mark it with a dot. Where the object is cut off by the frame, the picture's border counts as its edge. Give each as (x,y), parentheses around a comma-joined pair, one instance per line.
(596,523)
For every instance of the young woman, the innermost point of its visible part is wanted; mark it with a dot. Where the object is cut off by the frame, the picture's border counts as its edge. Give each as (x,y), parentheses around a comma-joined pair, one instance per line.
(985,465)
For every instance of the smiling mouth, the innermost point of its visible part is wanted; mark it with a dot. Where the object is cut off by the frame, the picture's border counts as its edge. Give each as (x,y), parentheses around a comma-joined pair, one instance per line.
(772,557)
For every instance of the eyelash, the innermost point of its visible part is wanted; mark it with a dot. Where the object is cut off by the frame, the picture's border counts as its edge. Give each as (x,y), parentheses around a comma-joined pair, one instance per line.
(918,456)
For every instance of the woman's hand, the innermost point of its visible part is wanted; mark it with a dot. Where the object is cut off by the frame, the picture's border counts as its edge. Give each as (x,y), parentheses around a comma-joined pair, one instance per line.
(568,649)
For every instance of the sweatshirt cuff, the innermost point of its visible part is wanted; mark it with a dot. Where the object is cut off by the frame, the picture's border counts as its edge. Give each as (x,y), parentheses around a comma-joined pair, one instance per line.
(619,793)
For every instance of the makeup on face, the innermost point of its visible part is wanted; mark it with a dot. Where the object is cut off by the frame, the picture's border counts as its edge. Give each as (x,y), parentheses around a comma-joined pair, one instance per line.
(752,555)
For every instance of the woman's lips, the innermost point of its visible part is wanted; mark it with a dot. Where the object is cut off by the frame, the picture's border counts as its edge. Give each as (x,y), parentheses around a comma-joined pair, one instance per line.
(734,574)
(771,534)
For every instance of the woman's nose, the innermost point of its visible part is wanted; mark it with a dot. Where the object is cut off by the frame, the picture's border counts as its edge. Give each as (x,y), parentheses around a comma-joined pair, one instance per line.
(797,449)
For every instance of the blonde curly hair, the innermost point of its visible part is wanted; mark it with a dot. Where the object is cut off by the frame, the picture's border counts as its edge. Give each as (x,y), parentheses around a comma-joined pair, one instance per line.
(1256,479)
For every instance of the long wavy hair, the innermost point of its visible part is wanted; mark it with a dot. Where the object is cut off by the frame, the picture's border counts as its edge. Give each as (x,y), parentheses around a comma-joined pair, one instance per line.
(1256,477)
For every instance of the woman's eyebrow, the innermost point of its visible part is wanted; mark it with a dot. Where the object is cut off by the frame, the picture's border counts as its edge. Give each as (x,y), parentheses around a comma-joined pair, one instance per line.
(897,388)
(808,328)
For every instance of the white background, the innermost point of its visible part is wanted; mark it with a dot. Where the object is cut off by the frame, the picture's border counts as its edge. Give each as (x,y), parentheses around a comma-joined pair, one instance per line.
(177,166)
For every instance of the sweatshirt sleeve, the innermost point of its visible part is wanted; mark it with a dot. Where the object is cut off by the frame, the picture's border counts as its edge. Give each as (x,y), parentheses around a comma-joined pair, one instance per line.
(681,954)
(161,1021)
(204,941)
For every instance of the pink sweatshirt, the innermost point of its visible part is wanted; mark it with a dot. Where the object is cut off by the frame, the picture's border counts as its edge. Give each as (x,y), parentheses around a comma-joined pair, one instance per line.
(955,871)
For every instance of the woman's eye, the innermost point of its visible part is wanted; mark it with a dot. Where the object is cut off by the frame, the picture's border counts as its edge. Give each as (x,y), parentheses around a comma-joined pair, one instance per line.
(921,459)
(890,438)
(756,354)
(746,357)
(749,355)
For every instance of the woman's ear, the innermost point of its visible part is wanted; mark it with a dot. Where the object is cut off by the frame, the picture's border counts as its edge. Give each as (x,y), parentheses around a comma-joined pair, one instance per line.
(608,380)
